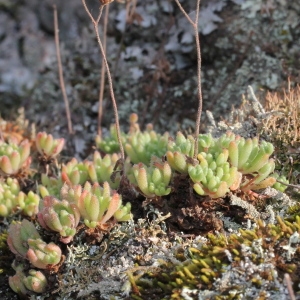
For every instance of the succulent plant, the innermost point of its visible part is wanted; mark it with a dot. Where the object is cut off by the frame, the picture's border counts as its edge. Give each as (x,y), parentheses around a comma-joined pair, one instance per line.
(101,169)
(48,146)
(50,186)
(24,240)
(206,141)
(141,146)
(43,255)
(248,155)
(35,281)
(29,203)
(252,158)
(9,190)
(16,283)
(246,165)
(178,151)
(11,198)
(219,143)
(110,143)
(152,181)
(74,172)
(14,158)
(18,235)
(96,204)
(213,175)
(60,216)
(123,213)
(98,170)
(277,185)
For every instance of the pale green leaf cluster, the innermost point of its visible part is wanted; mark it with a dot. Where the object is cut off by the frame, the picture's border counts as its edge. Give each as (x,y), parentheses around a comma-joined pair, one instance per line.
(14,157)
(152,181)
(252,158)
(9,190)
(29,204)
(13,199)
(22,284)
(139,145)
(110,143)
(279,186)
(24,241)
(60,216)
(75,172)
(178,151)
(50,186)
(98,170)
(97,204)
(48,146)
(226,163)
(101,169)
(213,175)
(42,255)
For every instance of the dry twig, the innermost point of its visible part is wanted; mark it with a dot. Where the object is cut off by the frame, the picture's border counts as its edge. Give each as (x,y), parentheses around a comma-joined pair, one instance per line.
(102,79)
(197,39)
(96,23)
(60,70)
(289,285)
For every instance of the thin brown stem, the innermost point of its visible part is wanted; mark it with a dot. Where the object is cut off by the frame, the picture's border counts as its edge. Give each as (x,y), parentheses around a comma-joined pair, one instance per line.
(185,13)
(1,135)
(60,71)
(96,23)
(289,285)
(199,88)
(199,62)
(131,11)
(102,79)
(289,185)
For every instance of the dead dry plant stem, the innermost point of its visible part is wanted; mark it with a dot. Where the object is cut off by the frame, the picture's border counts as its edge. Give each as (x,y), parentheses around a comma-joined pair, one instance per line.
(60,70)
(290,185)
(289,285)
(96,23)
(102,79)
(199,88)
(1,135)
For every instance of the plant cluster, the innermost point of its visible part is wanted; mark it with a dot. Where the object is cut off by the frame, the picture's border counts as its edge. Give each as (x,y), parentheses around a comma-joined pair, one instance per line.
(98,170)
(77,201)
(14,158)
(223,164)
(139,145)
(232,162)
(93,204)
(80,194)
(64,199)
(12,199)
(21,284)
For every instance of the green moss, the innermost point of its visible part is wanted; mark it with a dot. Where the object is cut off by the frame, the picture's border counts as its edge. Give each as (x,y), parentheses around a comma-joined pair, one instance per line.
(203,266)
